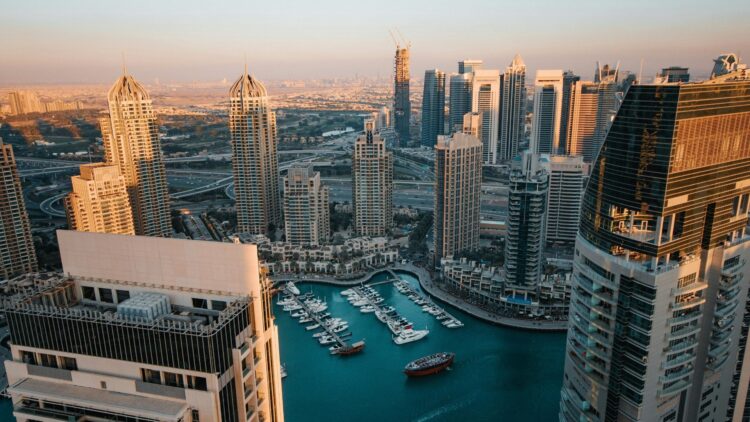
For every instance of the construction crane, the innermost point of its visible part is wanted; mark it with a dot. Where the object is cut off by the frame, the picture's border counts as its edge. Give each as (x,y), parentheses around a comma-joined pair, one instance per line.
(398,41)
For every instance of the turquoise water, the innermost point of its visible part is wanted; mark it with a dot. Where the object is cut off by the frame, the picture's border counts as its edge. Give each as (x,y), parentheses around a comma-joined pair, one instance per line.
(499,374)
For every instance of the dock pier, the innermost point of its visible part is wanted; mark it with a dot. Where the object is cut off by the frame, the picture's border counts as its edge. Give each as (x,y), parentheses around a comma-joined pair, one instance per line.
(340,341)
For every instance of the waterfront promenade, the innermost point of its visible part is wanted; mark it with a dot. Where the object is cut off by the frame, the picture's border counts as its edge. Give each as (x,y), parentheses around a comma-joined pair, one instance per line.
(429,286)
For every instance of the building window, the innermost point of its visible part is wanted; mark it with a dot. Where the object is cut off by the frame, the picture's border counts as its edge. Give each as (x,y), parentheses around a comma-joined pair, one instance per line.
(197,383)
(28,357)
(88,292)
(195,415)
(103,385)
(105,295)
(218,305)
(173,380)
(122,295)
(68,363)
(149,375)
(48,360)
(200,303)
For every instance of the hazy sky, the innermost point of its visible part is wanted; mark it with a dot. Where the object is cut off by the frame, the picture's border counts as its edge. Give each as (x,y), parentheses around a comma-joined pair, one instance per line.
(76,41)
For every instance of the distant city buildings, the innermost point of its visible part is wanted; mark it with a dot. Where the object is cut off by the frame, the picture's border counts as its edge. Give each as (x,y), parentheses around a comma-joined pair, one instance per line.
(567,180)
(433,107)
(372,186)
(458,184)
(306,214)
(17,255)
(512,109)
(659,301)
(548,107)
(485,99)
(98,201)
(84,341)
(527,218)
(24,102)
(568,85)
(130,135)
(252,127)
(673,74)
(401,101)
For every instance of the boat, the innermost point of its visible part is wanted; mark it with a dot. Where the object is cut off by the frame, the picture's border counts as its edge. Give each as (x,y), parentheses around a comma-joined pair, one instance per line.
(320,334)
(292,288)
(339,328)
(382,317)
(441,317)
(409,335)
(293,307)
(305,320)
(367,309)
(299,314)
(283,371)
(347,292)
(312,327)
(429,365)
(349,349)
(453,323)
(286,301)
(326,340)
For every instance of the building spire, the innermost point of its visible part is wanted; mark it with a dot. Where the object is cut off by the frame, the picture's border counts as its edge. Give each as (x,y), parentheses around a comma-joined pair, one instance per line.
(124,67)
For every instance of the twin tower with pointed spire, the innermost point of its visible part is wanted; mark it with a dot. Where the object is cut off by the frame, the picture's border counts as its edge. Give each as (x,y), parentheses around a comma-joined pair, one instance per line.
(132,147)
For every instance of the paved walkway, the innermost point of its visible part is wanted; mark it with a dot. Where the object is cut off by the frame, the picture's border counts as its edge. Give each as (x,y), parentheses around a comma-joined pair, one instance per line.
(430,287)
(425,280)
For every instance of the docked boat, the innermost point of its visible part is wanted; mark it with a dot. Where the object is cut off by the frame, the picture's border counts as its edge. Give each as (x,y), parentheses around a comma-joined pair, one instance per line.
(429,365)
(347,292)
(312,327)
(292,288)
(339,328)
(283,371)
(299,314)
(292,307)
(348,350)
(305,320)
(409,335)
(367,309)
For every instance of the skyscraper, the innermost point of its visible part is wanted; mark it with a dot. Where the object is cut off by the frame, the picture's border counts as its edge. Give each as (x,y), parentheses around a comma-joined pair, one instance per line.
(584,103)
(607,103)
(569,80)
(372,174)
(658,298)
(485,99)
(130,135)
(469,66)
(567,178)
(17,253)
(473,124)
(147,329)
(306,214)
(512,109)
(99,201)
(548,105)
(673,74)
(252,127)
(401,101)
(527,217)
(459,102)
(458,184)
(433,107)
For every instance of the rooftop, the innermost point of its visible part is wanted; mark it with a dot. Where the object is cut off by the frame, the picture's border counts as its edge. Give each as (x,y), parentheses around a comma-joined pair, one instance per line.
(56,294)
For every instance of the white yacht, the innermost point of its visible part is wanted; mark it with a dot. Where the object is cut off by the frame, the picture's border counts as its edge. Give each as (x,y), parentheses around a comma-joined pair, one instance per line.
(292,288)
(408,335)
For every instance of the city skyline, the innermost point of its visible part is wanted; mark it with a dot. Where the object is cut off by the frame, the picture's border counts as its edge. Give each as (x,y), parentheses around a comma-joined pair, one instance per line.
(294,42)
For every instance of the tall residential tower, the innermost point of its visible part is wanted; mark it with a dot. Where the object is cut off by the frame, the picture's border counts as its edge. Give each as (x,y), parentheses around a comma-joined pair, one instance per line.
(512,109)
(401,101)
(144,329)
(458,184)
(306,214)
(17,254)
(252,127)
(372,174)
(99,201)
(131,142)
(659,290)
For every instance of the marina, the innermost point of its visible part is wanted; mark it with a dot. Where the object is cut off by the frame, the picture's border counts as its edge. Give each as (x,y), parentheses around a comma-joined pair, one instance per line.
(427,304)
(310,309)
(498,373)
(370,301)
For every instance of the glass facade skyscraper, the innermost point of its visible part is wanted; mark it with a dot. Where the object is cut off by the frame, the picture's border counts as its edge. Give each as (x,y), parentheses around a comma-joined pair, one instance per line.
(657,300)
(433,107)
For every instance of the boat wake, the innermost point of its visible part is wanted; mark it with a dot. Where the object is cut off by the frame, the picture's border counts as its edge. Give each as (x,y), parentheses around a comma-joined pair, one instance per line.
(447,409)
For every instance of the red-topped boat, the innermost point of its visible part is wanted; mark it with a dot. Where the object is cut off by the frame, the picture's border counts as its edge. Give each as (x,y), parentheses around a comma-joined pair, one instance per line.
(429,365)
